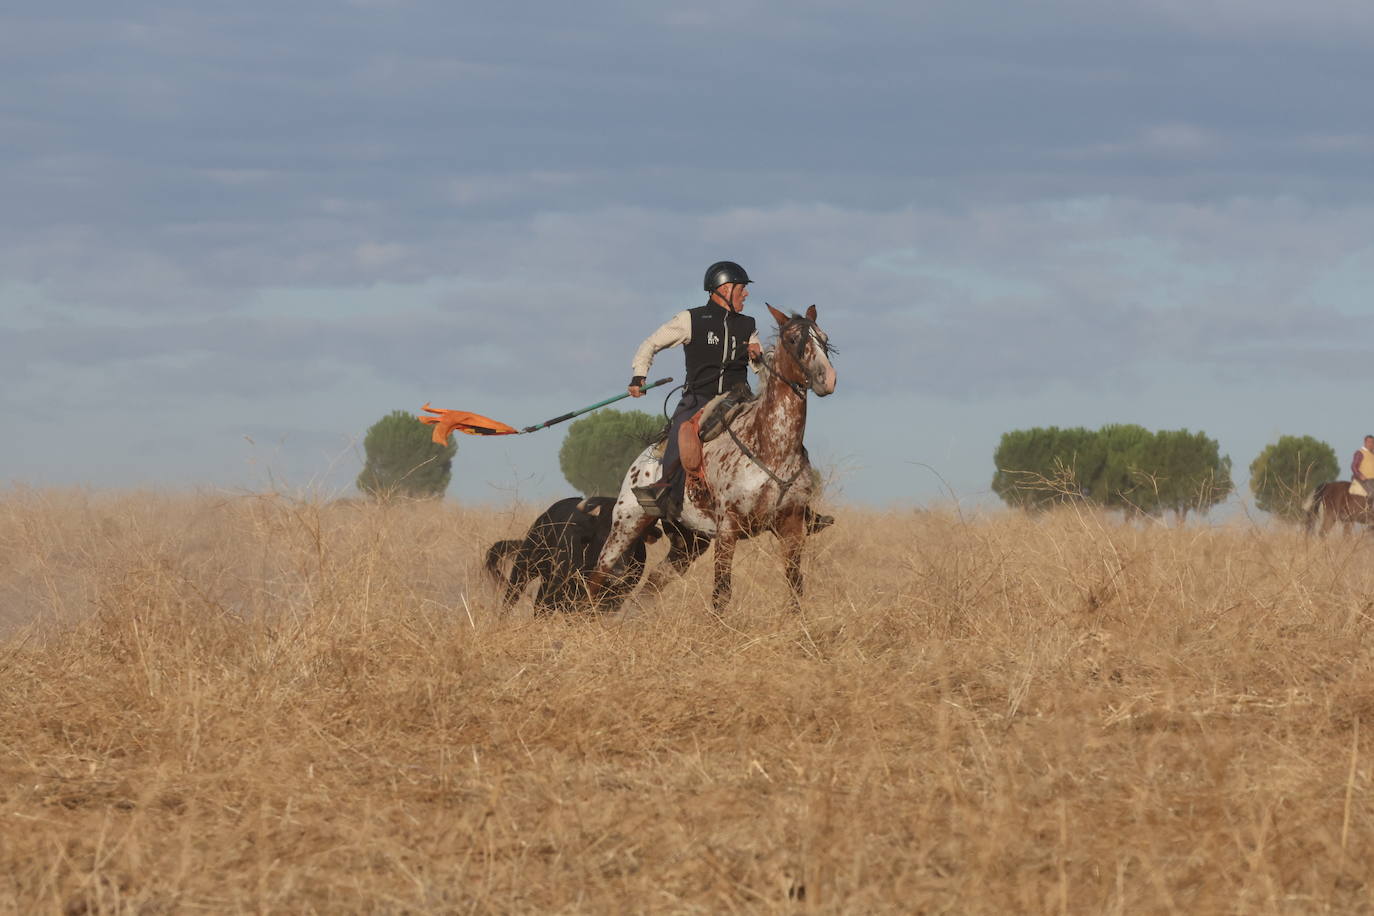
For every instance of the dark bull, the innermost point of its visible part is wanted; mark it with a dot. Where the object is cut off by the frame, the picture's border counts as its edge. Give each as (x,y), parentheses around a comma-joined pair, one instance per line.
(561,549)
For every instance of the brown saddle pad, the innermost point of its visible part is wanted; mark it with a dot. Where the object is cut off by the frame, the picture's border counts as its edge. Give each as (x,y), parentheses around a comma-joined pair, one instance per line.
(689,446)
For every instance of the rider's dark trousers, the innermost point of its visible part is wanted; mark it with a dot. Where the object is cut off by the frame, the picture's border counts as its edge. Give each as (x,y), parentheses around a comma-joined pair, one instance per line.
(691,402)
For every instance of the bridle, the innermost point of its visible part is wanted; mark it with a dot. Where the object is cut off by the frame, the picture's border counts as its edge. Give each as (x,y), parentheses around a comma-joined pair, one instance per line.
(809,334)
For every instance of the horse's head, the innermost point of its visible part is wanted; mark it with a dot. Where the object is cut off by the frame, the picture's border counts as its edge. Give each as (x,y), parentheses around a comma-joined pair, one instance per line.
(803,354)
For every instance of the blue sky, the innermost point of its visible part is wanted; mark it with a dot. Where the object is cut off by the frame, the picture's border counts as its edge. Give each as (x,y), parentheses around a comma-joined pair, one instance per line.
(234,238)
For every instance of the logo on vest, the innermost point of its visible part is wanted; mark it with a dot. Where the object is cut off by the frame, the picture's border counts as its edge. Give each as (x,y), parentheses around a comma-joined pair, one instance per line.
(711,337)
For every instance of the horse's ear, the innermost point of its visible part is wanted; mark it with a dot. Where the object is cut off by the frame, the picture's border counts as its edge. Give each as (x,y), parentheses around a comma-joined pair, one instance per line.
(593,511)
(811,313)
(777,315)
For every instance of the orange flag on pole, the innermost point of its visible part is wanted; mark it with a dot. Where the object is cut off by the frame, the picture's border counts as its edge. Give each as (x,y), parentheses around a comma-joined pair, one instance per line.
(474,424)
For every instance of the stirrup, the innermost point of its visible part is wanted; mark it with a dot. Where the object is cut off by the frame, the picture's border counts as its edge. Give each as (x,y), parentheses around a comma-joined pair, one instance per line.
(648,498)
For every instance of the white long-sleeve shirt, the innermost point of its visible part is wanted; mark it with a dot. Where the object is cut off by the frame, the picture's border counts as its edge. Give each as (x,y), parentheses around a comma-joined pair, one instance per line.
(675,332)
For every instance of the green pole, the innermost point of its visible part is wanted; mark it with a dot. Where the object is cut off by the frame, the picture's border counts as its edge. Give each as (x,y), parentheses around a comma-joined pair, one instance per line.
(576,413)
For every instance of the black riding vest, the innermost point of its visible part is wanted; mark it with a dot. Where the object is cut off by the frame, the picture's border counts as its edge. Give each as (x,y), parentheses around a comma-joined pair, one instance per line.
(718,353)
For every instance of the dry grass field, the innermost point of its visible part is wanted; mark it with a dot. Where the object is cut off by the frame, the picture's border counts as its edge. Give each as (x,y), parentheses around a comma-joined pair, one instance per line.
(257,703)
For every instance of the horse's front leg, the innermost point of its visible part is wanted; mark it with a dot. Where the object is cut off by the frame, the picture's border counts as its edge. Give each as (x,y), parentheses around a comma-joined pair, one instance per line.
(685,546)
(726,535)
(791,532)
(629,524)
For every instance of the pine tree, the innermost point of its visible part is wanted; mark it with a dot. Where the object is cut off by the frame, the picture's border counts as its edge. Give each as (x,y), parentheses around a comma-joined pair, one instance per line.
(403,459)
(1287,471)
(600,448)
(1120,466)
(1187,471)
(1123,480)
(1042,466)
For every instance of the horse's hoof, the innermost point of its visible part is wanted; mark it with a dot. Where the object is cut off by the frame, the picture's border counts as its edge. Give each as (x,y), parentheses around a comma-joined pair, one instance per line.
(818,523)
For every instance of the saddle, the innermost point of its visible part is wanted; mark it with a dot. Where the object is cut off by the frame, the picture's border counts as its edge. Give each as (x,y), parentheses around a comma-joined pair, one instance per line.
(721,410)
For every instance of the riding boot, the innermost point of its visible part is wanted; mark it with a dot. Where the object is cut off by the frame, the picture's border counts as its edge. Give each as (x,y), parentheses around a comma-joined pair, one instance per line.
(663,498)
(676,493)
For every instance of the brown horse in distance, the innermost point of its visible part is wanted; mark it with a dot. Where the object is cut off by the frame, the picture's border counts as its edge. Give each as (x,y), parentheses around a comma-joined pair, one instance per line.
(1333,502)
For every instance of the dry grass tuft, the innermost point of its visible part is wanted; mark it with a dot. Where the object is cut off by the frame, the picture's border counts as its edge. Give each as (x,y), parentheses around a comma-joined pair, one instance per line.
(258,703)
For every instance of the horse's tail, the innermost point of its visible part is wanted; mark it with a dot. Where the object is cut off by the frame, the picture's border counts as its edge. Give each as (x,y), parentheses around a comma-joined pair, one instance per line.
(1313,507)
(498,552)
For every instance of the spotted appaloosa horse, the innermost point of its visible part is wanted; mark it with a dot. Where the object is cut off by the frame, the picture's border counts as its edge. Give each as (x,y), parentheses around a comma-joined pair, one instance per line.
(757,477)
(1333,502)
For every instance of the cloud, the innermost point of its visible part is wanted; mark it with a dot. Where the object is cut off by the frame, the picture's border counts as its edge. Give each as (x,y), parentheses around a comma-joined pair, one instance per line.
(1335,21)
(369,203)
(1165,139)
(1041,293)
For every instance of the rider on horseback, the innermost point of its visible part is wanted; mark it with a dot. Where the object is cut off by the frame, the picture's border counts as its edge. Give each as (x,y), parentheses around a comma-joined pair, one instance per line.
(719,342)
(1362,469)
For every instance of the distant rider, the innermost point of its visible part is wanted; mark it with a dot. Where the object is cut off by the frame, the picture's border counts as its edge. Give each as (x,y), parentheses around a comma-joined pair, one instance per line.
(1362,467)
(719,341)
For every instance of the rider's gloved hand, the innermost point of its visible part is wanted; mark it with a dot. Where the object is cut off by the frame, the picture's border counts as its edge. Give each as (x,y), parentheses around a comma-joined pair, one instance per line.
(636,387)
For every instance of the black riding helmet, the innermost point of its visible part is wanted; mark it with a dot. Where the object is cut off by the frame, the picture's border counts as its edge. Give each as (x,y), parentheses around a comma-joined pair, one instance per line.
(723,272)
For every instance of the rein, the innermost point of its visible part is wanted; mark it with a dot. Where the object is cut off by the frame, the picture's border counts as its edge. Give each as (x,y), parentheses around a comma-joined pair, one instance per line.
(797,387)
(783,485)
